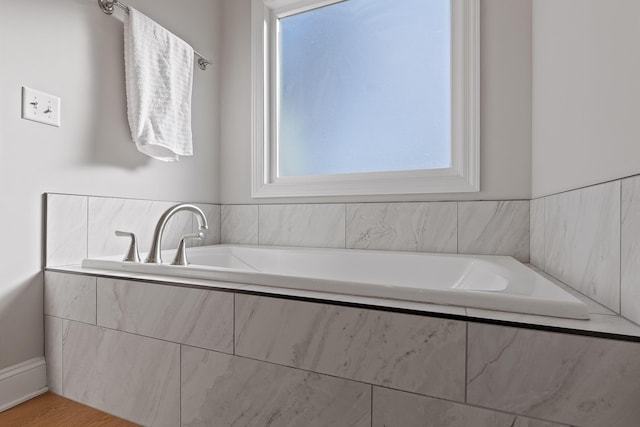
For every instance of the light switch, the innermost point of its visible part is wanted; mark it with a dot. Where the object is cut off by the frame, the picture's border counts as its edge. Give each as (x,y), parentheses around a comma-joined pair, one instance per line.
(40,107)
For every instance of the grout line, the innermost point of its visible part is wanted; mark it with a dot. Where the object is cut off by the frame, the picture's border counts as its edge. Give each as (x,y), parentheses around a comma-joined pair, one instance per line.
(62,356)
(258,219)
(457,227)
(371,406)
(180,380)
(544,234)
(86,236)
(466,360)
(233,340)
(142,336)
(620,256)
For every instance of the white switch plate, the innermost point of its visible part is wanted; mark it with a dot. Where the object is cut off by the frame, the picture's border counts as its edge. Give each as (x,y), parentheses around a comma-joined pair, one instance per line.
(40,107)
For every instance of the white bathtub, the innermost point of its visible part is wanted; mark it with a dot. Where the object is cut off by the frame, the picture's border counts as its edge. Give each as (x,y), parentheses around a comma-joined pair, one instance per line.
(489,282)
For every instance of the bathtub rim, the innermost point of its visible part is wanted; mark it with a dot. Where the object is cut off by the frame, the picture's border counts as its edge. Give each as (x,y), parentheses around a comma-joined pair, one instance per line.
(482,300)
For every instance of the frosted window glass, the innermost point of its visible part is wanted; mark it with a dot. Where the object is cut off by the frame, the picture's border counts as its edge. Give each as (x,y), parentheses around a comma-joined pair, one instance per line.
(365,87)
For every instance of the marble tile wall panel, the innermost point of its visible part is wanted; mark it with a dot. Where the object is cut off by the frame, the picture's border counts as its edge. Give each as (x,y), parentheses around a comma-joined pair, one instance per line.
(536,227)
(71,296)
(412,353)
(494,228)
(130,376)
(422,227)
(582,241)
(392,408)
(106,215)
(224,390)
(212,235)
(53,353)
(66,240)
(319,225)
(630,249)
(577,380)
(239,224)
(197,317)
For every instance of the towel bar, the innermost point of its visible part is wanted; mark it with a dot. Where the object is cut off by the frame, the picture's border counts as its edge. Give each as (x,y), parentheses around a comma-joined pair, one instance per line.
(107,7)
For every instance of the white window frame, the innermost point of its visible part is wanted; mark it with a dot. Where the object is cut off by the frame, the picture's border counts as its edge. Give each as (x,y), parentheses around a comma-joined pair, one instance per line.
(462,176)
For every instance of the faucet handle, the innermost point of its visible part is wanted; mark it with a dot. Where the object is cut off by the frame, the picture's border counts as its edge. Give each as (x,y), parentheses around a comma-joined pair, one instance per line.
(132,254)
(181,253)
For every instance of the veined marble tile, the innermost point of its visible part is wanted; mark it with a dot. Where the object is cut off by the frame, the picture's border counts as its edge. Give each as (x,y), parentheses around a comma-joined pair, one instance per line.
(197,317)
(129,376)
(106,215)
(212,235)
(302,225)
(239,224)
(494,228)
(582,241)
(392,408)
(413,353)
(66,229)
(583,381)
(53,353)
(71,296)
(630,249)
(593,307)
(536,226)
(224,390)
(422,227)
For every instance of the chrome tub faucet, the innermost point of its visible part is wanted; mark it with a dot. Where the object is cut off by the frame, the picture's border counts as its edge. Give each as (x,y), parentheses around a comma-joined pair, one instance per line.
(154,256)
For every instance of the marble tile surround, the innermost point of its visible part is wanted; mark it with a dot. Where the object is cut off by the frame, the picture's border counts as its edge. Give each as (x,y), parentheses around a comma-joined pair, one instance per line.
(582,381)
(582,241)
(130,376)
(222,390)
(496,228)
(196,317)
(421,227)
(239,224)
(83,226)
(392,408)
(66,230)
(70,296)
(138,216)
(53,353)
(630,249)
(300,363)
(365,345)
(536,228)
(302,225)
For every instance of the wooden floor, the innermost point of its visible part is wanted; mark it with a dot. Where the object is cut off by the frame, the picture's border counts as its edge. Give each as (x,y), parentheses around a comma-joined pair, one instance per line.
(51,410)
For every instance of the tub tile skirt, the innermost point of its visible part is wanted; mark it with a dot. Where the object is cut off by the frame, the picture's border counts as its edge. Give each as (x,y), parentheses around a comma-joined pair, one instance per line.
(232,359)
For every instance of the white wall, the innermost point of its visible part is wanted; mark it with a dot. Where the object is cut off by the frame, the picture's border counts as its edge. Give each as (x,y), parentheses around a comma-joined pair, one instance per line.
(505,106)
(71,49)
(586,87)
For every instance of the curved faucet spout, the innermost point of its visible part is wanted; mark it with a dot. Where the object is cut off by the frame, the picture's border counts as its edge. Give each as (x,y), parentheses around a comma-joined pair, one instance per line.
(154,256)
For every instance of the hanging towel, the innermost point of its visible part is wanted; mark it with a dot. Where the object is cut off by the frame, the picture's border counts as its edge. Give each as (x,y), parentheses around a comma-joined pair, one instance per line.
(159,80)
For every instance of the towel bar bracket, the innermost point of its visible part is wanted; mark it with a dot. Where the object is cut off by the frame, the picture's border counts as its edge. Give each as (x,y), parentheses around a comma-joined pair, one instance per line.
(107,6)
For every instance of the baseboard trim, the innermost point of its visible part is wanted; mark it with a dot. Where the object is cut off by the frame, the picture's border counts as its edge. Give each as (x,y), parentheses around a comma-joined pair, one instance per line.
(21,382)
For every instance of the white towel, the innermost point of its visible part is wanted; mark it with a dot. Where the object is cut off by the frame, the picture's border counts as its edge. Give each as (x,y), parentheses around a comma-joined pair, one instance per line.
(159,80)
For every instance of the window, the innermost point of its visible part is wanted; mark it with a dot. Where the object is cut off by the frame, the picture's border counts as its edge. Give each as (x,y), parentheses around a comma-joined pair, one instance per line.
(364,97)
